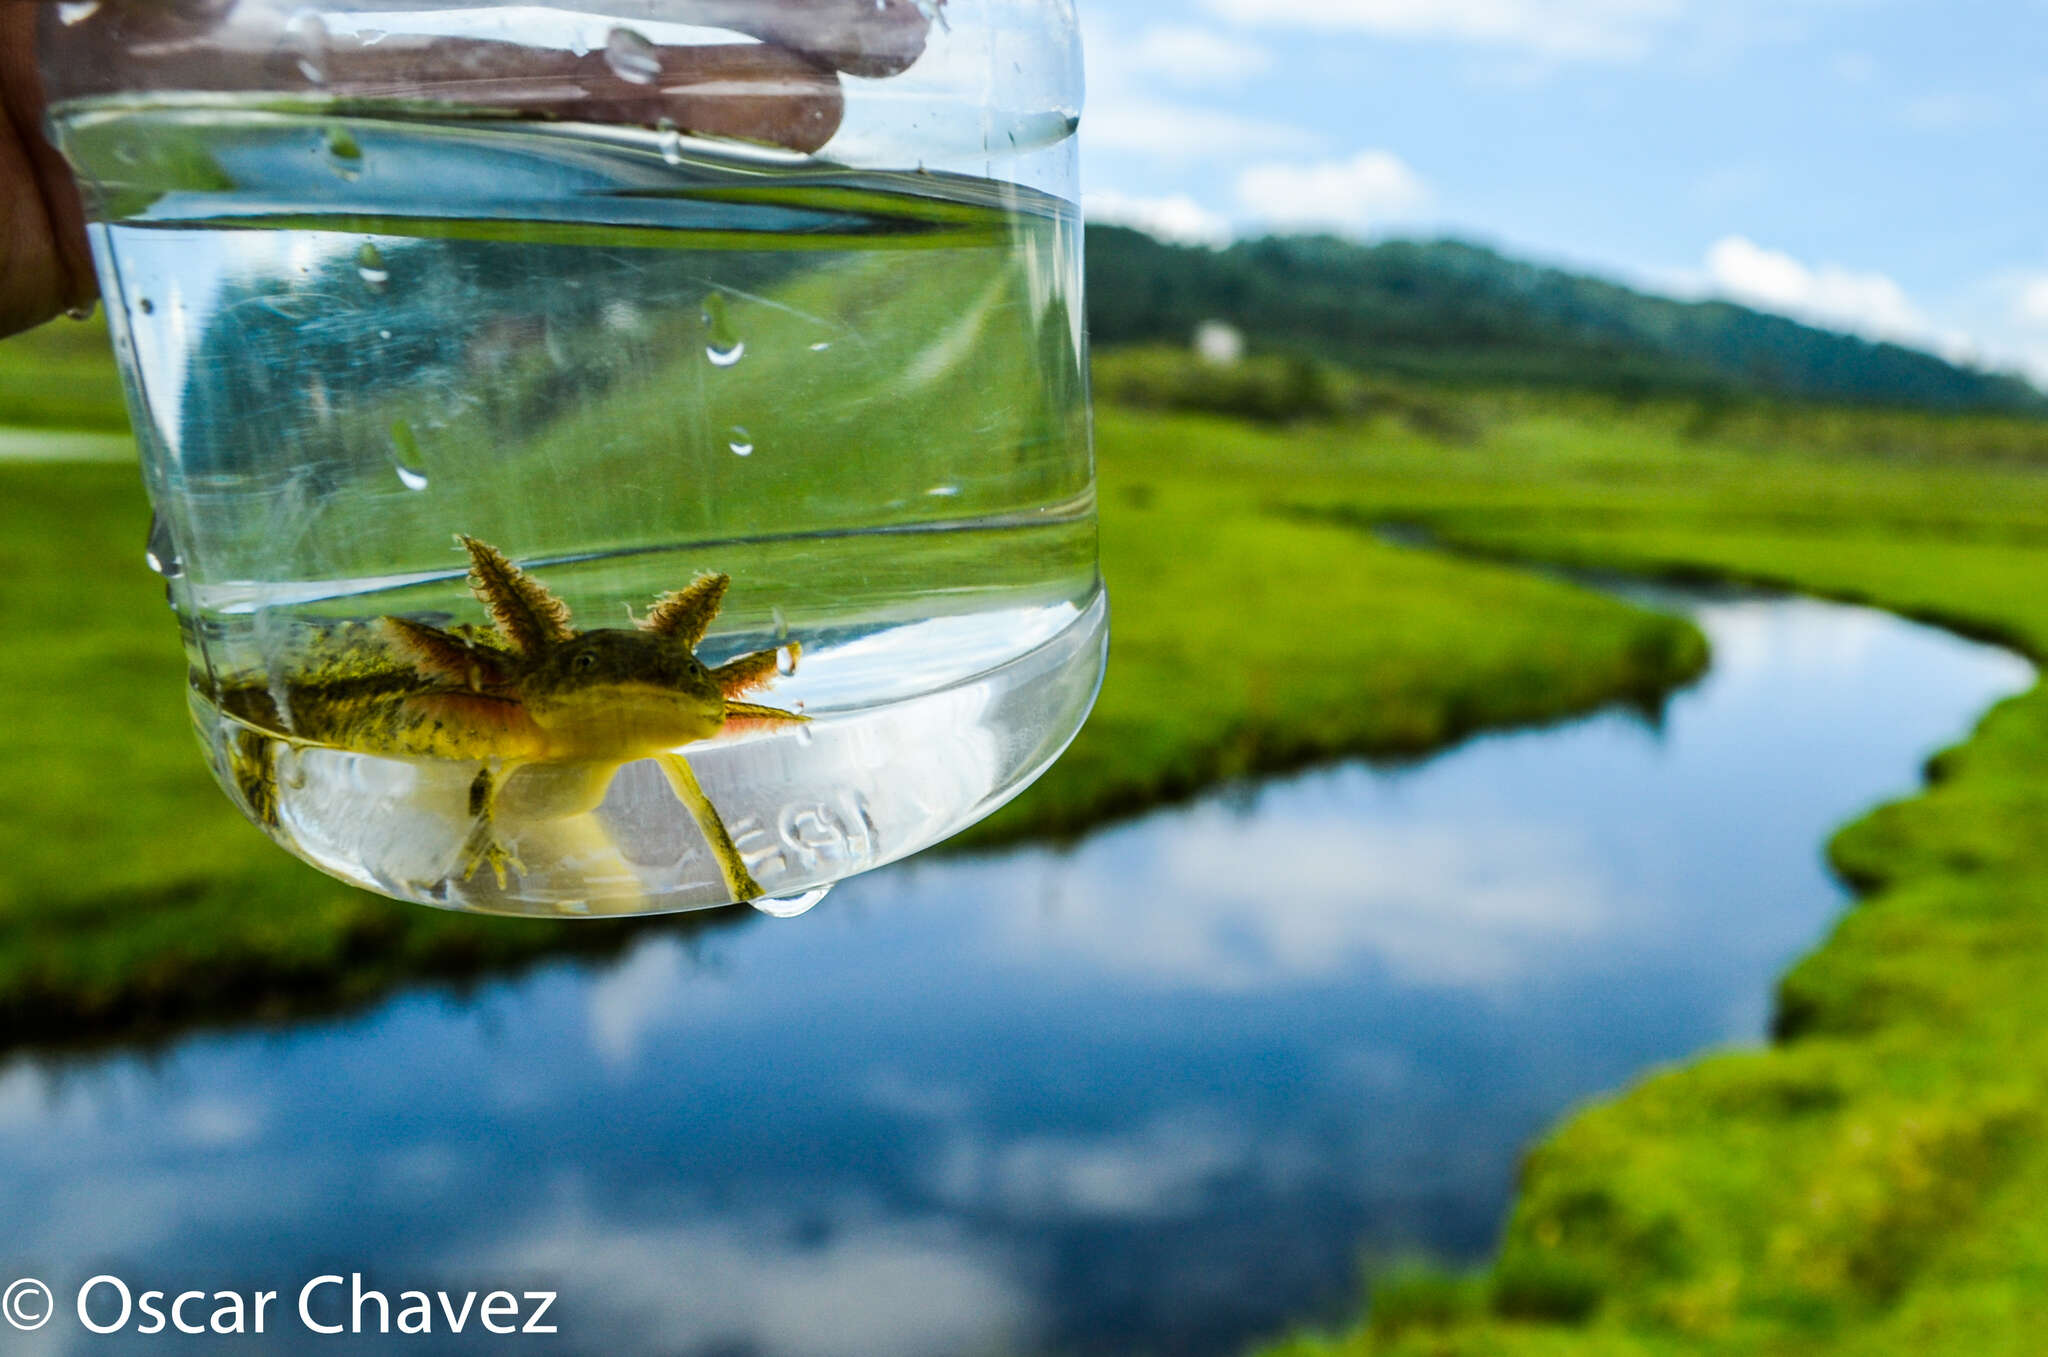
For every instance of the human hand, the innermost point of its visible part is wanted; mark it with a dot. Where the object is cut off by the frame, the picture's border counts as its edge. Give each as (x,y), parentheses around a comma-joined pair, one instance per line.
(782,90)
(45,266)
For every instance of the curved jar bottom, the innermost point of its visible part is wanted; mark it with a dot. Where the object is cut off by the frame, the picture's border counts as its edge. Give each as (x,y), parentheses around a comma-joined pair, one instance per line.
(805,806)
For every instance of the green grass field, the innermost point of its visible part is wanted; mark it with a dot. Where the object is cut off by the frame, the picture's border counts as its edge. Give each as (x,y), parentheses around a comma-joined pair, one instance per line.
(139,897)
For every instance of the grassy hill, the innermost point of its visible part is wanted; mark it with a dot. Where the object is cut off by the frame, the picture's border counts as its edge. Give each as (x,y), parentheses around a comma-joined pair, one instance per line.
(1443,311)
(1453,311)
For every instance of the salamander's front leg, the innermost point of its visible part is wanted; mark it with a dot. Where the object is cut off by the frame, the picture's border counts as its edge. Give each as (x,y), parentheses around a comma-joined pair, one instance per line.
(731,866)
(483,847)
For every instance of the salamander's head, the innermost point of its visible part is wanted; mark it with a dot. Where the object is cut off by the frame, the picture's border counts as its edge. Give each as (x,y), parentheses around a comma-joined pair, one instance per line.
(604,695)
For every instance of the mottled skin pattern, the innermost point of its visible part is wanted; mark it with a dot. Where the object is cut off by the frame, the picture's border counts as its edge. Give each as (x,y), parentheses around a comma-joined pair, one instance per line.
(529,690)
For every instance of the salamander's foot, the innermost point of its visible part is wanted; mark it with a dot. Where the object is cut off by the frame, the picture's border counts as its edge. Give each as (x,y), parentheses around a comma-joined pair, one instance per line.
(485,849)
(483,845)
(731,866)
(252,763)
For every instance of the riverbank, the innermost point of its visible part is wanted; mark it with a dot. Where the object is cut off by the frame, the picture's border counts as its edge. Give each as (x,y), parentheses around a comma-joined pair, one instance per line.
(1872,1182)
(1248,638)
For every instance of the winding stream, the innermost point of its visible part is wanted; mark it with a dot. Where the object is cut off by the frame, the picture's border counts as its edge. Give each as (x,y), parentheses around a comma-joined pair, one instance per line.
(1130,1097)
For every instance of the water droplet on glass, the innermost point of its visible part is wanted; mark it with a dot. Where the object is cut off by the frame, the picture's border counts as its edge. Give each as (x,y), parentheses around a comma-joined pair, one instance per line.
(370,264)
(722,345)
(740,441)
(76,11)
(306,36)
(161,553)
(632,57)
(405,456)
(670,139)
(789,906)
(146,307)
(344,153)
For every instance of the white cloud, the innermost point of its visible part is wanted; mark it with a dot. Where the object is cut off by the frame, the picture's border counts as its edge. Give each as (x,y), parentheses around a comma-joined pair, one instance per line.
(1953,111)
(1436,905)
(1354,195)
(1853,67)
(1192,57)
(1161,127)
(1868,304)
(216,1123)
(1178,218)
(1150,1173)
(2030,301)
(1607,30)
(635,997)
(1128,112)
(878,1289)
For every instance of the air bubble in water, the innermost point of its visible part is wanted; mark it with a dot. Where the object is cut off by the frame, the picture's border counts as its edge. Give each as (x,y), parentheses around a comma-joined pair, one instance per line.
(306,36)
(370,37)
(146,307)
(405,456)
(740,441)
(161,552)
(785,660)
(76,11)
(632,57)
(344,153)
(670,139)
(722,345)
(789,906)
(821,346)
(370,264)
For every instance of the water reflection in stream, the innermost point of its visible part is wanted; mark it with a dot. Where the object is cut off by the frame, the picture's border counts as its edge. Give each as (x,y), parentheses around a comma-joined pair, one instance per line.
(1153,1094)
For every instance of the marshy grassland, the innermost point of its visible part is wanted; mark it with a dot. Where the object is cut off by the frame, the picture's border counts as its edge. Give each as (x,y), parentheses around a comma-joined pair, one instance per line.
(1248,636)
(1871,1182)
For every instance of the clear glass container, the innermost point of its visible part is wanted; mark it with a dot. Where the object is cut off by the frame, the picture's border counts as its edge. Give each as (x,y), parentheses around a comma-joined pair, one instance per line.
(468,346)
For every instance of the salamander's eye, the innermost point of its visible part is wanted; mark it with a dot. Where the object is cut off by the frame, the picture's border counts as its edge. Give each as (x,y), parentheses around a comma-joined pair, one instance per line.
(584,661)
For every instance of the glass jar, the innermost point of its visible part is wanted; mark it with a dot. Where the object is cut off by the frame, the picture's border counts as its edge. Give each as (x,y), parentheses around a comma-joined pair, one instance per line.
(615,457)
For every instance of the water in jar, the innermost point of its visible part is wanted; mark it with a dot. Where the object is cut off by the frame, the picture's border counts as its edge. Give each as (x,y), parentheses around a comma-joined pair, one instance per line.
(623,360)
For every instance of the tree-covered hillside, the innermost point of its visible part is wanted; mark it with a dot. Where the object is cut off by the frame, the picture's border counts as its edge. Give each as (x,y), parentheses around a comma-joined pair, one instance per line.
(1458,311)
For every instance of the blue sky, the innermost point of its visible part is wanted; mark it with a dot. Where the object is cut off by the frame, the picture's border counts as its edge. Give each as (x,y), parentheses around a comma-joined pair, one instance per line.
(1877,166)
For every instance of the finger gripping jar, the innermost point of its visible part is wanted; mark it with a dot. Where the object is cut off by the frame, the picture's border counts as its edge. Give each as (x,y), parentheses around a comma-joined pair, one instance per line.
(606,459)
